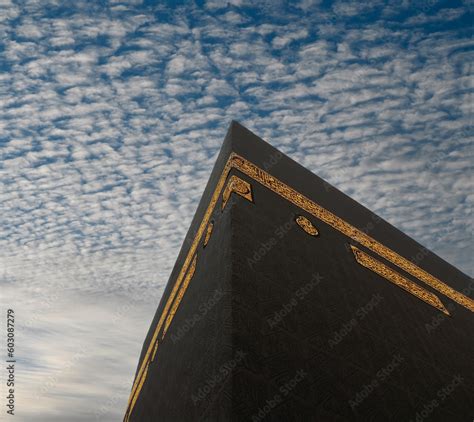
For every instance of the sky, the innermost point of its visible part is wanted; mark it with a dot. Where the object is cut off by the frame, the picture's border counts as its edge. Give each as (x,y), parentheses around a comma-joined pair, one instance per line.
(111,117)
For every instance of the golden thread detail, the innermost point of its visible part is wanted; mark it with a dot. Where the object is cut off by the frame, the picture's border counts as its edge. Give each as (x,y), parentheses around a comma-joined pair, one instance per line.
(135,397)
(306,225)
(210,226)
(154,351)
(180,295)
(239,186)
(381,269)
(347,229)
(140,378)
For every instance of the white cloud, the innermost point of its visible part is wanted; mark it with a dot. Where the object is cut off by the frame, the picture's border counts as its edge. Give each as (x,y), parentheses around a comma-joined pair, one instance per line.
(443,15)
(283,40)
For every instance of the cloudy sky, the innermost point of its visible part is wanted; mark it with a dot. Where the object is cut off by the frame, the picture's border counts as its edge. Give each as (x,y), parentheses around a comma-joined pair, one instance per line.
(111,116)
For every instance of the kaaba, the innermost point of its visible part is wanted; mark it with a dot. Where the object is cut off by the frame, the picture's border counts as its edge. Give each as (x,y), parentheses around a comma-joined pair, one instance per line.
(289,301)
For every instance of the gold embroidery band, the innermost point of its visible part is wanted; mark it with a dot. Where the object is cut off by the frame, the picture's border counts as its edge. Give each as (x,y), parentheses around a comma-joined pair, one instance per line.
(135,397)
(381,269)
(307,225)
(210,226)
(176,303)
(239,186)
(347,229)
(154,351)
(140,378)
(180,295)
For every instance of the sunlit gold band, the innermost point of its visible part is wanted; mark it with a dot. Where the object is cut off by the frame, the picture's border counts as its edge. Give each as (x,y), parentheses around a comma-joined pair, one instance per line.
(386,272)
(238,186)
(180,295)
(347,229)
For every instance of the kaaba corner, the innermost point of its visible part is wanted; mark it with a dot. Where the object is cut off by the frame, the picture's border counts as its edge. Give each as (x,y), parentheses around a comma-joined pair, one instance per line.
(291,301)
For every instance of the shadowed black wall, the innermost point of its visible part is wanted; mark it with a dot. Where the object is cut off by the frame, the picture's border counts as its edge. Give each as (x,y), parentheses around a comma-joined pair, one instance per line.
(288,326)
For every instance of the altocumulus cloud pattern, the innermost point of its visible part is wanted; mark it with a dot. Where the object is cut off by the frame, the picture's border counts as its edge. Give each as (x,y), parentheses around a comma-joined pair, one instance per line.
(111,115)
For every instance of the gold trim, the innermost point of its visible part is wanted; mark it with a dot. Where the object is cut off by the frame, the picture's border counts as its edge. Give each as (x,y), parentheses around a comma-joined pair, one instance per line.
(239,186)
(210,226)
(135,397)
(140,378)
(154,351)
(176,303)
(296,198)
(381,269)
(180,295)
(347,229)
(307,225)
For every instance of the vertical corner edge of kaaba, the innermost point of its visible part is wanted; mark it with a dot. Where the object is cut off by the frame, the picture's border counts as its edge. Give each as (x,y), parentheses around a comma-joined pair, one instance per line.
(291,301)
